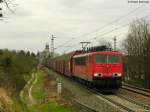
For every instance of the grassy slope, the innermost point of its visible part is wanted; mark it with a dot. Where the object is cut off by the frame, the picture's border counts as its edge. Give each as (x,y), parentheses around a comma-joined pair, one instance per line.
(15,69)
(39,94)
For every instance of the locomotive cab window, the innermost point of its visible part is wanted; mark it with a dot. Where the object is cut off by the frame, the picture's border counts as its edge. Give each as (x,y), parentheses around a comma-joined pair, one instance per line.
(100,59)
(113,59)
(80,61)
(107,59)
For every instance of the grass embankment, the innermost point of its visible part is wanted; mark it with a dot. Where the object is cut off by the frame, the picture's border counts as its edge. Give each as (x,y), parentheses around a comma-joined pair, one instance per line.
(45,94)
(15,70)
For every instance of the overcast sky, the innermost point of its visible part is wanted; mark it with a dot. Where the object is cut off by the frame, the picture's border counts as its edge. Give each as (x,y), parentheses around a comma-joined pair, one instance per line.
(71,21)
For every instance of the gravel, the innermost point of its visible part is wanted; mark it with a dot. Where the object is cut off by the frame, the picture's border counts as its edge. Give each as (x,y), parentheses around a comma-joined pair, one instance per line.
(85,96)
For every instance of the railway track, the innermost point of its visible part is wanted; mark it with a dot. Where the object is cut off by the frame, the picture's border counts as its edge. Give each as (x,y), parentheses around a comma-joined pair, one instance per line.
(144,92)
(122,102)
(119,102)
(135,102)
(112,99)
(85,107)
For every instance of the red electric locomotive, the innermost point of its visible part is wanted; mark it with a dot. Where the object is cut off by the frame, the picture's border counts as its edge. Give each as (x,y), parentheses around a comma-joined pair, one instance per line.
(98,66)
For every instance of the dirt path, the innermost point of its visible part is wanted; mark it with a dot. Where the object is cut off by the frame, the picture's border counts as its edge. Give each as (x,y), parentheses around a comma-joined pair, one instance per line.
(29,87)
(34,80)
(28,84)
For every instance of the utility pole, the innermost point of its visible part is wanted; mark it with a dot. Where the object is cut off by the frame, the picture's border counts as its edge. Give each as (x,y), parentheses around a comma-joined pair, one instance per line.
(84,44)
(52,46)
(115,43)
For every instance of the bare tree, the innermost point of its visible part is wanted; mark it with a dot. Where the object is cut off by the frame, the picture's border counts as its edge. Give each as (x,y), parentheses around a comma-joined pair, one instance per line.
(137,46)
(134,44)
(105,42)
(7,3)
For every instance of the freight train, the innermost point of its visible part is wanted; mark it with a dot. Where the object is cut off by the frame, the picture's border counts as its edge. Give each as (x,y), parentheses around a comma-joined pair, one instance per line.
(97,66)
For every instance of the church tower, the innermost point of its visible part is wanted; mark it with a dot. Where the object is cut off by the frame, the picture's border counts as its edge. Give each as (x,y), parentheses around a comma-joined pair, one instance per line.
(47,51)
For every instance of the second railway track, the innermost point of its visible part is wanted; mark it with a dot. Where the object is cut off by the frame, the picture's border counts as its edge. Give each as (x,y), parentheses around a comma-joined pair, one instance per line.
(124,103)
(121,104)
(135,102)
(144,92)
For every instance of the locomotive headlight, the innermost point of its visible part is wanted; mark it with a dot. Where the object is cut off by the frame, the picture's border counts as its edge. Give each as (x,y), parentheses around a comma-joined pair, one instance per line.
(96,74)
(117,74)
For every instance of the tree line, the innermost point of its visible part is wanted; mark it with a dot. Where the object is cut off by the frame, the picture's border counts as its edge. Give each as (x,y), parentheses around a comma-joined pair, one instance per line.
(15,69)
(137,54)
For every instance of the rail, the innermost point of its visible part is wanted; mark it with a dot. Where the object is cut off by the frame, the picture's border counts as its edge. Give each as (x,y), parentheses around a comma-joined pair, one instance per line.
(121,102)
(87,108)
(145,92)
(135,102)
(113,100)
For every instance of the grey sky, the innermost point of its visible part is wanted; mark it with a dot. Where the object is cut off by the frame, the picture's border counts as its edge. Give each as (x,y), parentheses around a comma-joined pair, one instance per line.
(35,20)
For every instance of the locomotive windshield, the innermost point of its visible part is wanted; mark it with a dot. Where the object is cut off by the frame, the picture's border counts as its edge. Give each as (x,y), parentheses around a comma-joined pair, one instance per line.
(107,59)
(100,59)
(113,59)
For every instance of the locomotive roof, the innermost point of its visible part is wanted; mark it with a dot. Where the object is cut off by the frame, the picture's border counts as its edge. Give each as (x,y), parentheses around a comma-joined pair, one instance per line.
(80,53)
(99,52)
(67,56)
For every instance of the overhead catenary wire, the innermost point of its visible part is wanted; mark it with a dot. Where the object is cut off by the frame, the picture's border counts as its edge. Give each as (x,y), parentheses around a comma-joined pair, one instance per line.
(72,46)
(63,45)
(114,21)
(110,31)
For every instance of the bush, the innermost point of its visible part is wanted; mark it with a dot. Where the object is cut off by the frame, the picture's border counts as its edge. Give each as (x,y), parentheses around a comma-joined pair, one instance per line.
(15,67)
